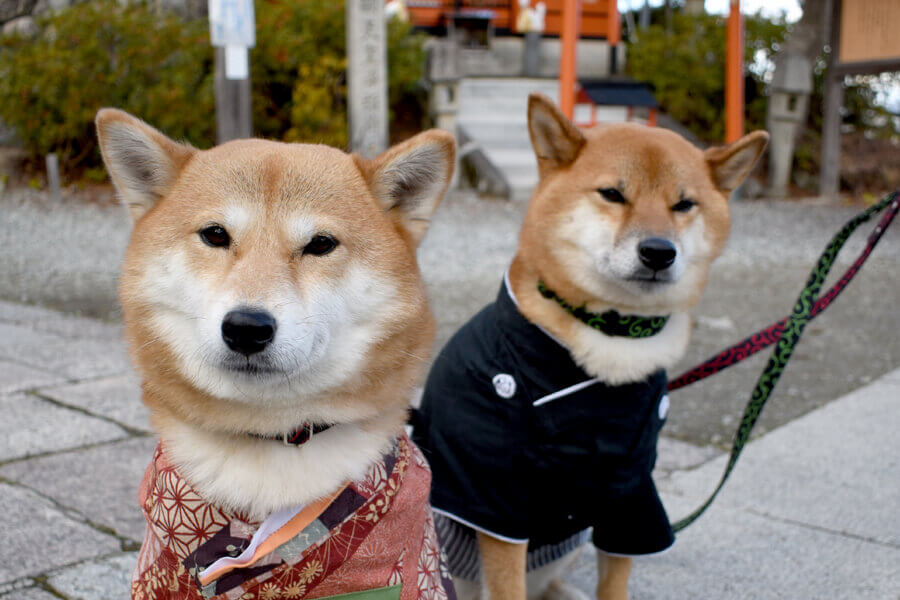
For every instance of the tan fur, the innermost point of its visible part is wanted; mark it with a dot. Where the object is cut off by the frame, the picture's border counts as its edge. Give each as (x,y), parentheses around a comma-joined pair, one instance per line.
(612,577)
(584,247)
(502,567)
(364,302)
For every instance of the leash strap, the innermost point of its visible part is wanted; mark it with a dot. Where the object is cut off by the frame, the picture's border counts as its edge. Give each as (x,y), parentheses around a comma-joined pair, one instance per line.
(764,338)
(792,331)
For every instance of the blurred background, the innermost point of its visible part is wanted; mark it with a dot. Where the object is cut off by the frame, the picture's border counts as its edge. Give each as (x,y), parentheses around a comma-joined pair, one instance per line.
(61,60)
(822,76)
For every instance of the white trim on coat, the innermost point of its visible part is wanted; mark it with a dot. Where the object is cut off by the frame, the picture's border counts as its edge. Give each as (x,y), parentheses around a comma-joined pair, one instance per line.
(502,538)
(564,392)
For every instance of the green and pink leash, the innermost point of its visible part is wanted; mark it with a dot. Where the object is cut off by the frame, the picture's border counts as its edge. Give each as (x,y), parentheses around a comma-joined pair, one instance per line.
(785,334)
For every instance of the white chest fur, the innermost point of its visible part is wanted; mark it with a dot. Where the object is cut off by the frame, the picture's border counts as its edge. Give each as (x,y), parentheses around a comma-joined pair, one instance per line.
(618,360)
(258,477)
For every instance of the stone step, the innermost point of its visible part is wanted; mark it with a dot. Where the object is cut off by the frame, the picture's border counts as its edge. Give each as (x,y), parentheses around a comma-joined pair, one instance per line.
(494,113)
(491,85)
(501,98)
(514,113)
(511,158)
(527,173)
(506,116)
(521,184)
(502,133)
(508,144)
(522,187)
(504,97)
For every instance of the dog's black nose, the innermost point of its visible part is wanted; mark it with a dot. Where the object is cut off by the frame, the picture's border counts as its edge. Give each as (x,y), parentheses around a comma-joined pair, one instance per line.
(248,331)
(657,253)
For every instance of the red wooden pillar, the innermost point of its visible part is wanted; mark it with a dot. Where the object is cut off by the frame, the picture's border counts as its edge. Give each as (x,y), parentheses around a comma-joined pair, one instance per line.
(614,35)
(567,56)
(734,74)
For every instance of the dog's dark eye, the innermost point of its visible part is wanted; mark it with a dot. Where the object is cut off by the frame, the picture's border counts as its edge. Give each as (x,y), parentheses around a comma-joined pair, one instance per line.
(320,245)
(684,205)
(612,195)
(215,236)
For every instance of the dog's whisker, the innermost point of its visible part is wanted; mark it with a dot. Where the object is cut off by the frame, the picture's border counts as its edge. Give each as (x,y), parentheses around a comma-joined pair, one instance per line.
(415,356)
(285,303)
(153,341)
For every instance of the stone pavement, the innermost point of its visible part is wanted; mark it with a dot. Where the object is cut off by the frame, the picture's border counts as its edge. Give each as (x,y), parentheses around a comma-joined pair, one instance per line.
(74,440)
(809,513)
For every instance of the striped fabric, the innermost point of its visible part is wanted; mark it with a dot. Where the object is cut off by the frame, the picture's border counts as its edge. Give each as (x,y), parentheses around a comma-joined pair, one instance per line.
(461,547)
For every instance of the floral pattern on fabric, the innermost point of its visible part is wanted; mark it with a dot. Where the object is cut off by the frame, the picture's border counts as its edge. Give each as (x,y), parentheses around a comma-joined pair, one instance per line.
(363,550)
(433,575)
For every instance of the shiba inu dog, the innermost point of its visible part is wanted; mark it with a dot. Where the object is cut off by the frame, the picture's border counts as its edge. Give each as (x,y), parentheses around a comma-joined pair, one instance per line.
(275,313)
(540,417)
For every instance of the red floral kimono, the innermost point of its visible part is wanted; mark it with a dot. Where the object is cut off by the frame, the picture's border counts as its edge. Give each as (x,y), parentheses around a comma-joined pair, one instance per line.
(374,536)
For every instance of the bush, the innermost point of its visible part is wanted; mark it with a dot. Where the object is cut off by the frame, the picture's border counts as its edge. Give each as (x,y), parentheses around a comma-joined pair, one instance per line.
(104,54)
(299,70)
(160,68)
(686,66)
(298,67)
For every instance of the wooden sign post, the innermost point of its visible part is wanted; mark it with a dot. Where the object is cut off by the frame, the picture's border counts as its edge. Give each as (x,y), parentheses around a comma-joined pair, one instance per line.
(863,40)
(232,28)
(367,99)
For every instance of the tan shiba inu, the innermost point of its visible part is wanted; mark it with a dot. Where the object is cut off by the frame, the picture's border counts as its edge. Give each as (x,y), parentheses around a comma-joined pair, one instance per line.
(541,416)
(274,310)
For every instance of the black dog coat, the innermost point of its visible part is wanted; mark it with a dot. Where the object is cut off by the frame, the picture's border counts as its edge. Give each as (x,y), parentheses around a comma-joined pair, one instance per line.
(526,446)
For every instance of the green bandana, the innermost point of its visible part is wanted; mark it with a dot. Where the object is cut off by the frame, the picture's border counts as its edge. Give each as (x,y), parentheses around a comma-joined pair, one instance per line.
(611,322)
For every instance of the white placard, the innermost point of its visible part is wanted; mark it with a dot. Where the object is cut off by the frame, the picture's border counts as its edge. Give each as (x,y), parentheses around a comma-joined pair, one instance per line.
(232,23)
(237,62)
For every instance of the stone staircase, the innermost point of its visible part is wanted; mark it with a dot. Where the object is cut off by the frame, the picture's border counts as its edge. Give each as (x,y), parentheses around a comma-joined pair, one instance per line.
(493,115)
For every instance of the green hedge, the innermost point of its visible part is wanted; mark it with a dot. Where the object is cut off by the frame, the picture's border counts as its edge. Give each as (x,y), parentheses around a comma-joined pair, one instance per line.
(686,65)
(160,68)
(299,70)
(102,54)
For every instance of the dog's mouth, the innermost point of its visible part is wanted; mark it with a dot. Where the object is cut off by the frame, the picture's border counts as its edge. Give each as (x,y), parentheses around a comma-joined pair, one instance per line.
(651,278)
(251,368)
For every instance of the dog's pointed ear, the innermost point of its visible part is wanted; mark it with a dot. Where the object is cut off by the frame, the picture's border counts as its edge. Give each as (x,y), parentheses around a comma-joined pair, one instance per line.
(142,162)
(729,165)
(410,179)
(555,139)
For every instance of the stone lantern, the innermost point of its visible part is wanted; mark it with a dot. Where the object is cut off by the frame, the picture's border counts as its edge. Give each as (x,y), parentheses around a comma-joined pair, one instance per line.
(788,102)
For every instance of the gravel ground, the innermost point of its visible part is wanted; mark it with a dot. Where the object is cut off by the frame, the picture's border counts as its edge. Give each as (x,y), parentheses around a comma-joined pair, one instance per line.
(67,257)
(64,256)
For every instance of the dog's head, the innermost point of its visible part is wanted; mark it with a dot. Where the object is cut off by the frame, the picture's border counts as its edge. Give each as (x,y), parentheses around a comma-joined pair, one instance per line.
(625,214)
(270,274)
